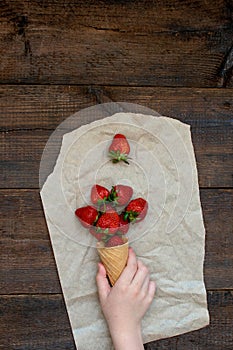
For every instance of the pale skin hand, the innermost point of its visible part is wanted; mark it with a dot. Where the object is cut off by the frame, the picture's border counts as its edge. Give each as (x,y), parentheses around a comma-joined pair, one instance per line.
(125,304)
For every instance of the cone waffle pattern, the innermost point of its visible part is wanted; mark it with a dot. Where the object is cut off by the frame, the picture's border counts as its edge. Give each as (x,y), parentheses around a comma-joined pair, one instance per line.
(114,260)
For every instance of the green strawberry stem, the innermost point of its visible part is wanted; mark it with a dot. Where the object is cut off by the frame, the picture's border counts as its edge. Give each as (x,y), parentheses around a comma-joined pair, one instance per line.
(117,157)
(102,202)
(113,196)
(100,230)
(131,216)
(96,219)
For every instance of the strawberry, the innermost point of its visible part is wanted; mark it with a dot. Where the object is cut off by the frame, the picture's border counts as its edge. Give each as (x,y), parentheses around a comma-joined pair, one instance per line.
(87,215)
(120,194)
(108,222)
(114,241)
(99,194)
(136,210)
(98,235)
(124,225)
(119,149)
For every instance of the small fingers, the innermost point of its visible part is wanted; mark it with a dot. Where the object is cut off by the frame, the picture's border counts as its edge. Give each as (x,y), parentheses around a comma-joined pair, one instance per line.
(147,292)
(141,275)
(145,285)
(130,269)
(142,286)
(102,283)
(151,291)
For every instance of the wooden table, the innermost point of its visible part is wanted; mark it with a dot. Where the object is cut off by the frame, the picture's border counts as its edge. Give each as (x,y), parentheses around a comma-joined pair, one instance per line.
(58,57)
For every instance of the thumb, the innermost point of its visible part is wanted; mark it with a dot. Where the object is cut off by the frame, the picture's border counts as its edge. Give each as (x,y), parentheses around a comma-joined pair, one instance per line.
(102,283)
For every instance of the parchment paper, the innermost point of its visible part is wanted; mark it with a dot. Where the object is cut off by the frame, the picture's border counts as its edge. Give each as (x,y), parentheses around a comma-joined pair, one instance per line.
(170,241)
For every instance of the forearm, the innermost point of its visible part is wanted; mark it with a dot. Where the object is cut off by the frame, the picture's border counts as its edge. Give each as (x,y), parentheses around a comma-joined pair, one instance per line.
(123,340)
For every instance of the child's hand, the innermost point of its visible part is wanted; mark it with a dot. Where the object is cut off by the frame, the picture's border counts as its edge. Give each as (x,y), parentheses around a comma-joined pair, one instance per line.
(125,304)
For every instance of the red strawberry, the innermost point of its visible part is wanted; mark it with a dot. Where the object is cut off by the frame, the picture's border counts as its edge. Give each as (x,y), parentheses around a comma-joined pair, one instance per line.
(99,194)
(108,222)
(121,194)
(119,149)
(87,215)
(98,235)
(136,210)
(114,241)
(124,225)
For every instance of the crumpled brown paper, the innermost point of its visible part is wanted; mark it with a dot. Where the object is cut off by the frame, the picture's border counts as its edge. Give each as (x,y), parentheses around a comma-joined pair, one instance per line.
(170,241)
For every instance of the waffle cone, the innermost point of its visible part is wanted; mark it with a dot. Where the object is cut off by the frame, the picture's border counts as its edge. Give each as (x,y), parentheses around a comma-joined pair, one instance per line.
(114,259)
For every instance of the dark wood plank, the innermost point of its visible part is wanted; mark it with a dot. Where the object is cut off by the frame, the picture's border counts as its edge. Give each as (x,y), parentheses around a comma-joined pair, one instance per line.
(217,210)
(144,16)
(45,107)
(41,107)
(40,322)
(27,264)
(34,322)
(85,43)
(29,115)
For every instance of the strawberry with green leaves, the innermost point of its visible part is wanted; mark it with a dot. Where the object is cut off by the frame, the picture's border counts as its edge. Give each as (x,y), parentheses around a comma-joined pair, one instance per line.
(136,210)
(119,149)
(120,194)
(99,194)
(108,222)
(87,215)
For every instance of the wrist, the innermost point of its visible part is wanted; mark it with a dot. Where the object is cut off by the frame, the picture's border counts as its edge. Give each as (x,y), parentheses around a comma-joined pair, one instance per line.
(127,338)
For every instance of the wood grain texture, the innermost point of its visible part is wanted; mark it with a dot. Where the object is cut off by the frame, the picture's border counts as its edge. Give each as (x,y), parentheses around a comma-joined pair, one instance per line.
(39,322)
(217,210)
(27,264)
(30,114)
(85,43)
(34,322)
(175,57)
(140,16)
(45,107)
